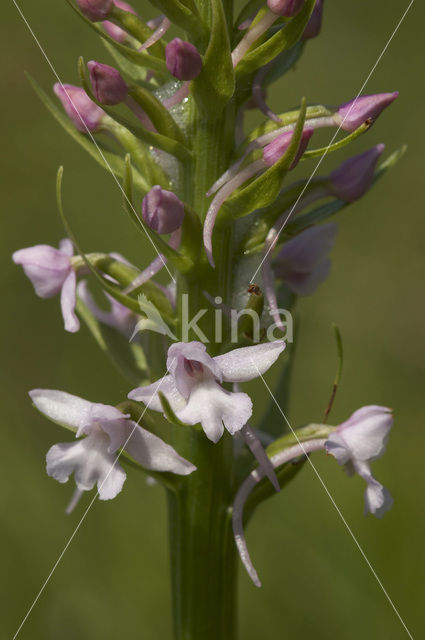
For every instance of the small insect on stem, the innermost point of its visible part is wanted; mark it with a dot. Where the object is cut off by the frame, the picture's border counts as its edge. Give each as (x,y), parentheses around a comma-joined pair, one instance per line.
(254,289)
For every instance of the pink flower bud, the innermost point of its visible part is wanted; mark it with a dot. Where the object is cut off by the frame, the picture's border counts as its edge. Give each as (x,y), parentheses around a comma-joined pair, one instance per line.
(115,32)
(314,25)
(183,59)
(353,177)
(275,150)
(351,115)
(286,8)
(162,210)
(303,261)
(95,10)
(107,83)
(83,112)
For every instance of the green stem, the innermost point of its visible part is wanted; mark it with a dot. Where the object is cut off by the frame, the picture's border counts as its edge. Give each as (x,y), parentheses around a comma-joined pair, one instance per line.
(203,553)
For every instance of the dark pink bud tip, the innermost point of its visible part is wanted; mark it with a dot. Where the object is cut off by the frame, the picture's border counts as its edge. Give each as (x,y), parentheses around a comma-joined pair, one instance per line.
(107,83)
(83,112)
(162,210)
(286,8)
(275,150)
(183,59)
(314,25)
(95,10)
(352,178)
(354,113)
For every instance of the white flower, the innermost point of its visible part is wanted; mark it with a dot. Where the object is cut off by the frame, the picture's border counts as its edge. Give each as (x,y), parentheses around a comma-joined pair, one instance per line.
(193,386)
(93,459)
(359,441)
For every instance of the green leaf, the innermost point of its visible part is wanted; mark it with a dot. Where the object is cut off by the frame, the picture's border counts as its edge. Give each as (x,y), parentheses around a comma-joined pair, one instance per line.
(107,159)
(182,14)
(137,28)
(160,116)
(140,58)
(128,357)
(282,40)
(168,412)
(215,85)
(263,190)
(336,146)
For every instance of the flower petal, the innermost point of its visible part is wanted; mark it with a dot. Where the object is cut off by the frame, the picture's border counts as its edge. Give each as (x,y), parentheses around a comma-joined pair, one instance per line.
(247,363)
(181,351)
(212,406)
(149,394)
(90,462)
(378,499)
(71,411)
(68,299)
(45,266)
(153,453)
(366,432)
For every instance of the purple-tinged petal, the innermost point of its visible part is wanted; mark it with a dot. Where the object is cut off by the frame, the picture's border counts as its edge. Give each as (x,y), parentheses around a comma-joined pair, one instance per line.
(68,300)
(354,113)
(247,363)
(85,114)
(353,178)
(378,499)
(66,247)
(162,210)
(45,266)
(119,317)
(180,363)
(366,432)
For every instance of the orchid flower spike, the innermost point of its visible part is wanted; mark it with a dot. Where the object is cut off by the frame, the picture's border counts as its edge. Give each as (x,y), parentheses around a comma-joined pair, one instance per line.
(118,317)
(51,271)
(85,114)
(115,32)
(353,178)
(107,83)
(94,459)
(354,113)
(303,261)
(193,386)
(359,441)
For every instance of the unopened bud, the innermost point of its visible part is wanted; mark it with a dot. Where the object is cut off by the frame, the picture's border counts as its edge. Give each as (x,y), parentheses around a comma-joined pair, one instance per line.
(183,59)
(314,25)
(275,150)
(107,83)
(83,112)
(96,10)
(115,32)
(352,178)
(351,115)
(286,8)
(162,210)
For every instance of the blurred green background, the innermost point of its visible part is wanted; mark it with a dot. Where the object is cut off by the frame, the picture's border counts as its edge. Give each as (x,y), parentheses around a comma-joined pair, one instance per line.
(113,580)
